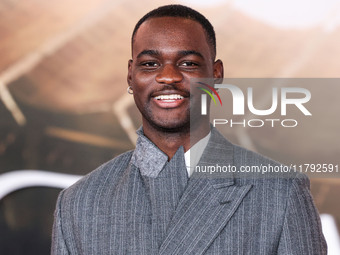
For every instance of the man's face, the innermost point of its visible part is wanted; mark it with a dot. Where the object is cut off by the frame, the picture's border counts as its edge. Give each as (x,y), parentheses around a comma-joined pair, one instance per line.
(167,53)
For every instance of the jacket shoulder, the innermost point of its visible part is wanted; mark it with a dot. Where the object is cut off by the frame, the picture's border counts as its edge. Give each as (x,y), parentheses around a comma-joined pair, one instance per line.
(109,172)
(253,165)
(245,156)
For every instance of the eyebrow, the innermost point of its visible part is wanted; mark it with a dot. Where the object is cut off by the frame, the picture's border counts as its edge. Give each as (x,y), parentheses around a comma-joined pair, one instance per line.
(149,52)
(190,52)
(182,53)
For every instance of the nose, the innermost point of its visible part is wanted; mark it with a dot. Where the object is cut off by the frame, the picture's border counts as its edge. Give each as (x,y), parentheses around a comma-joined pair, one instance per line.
(169,74)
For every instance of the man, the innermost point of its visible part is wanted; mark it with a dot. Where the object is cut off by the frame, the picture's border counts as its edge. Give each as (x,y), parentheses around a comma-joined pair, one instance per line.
(147,201)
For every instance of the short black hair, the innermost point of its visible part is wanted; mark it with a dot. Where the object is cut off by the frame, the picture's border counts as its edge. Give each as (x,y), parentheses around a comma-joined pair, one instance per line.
(181,11)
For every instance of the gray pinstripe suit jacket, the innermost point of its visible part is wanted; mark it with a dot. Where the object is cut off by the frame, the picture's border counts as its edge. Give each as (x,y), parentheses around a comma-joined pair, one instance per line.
(138,203)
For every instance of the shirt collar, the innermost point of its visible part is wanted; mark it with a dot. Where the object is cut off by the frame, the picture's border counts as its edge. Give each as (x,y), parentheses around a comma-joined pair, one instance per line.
(193,155)
(151,160)
(147,156)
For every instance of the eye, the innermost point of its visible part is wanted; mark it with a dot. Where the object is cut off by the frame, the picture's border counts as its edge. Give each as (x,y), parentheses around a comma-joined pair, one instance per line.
(188,64)
(150,64)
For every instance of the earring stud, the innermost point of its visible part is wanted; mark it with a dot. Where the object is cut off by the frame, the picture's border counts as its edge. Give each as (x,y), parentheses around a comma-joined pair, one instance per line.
(129,90)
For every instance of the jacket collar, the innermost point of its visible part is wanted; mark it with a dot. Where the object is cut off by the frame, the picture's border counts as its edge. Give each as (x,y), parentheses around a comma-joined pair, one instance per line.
(218,155)
(149,158)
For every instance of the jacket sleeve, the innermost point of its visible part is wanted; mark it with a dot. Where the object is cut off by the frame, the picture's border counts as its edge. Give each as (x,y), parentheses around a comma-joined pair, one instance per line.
(302,232)
(58,243)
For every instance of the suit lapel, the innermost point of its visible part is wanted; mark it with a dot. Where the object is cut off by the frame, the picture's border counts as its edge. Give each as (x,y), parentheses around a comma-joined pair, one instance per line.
(207,204)
(200,216)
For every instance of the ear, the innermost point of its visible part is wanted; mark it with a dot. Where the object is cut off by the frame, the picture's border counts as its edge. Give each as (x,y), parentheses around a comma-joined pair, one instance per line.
(218,71)
(129,75)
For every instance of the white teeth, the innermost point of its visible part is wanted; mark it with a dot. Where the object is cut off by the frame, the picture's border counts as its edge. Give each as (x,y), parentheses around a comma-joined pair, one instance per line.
(168,97)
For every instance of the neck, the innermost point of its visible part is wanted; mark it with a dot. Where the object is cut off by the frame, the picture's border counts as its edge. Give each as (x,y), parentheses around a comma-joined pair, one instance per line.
(170,141)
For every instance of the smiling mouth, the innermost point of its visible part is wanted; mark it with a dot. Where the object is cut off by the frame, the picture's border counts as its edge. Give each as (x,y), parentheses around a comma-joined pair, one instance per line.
(169,101)
(169,98)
